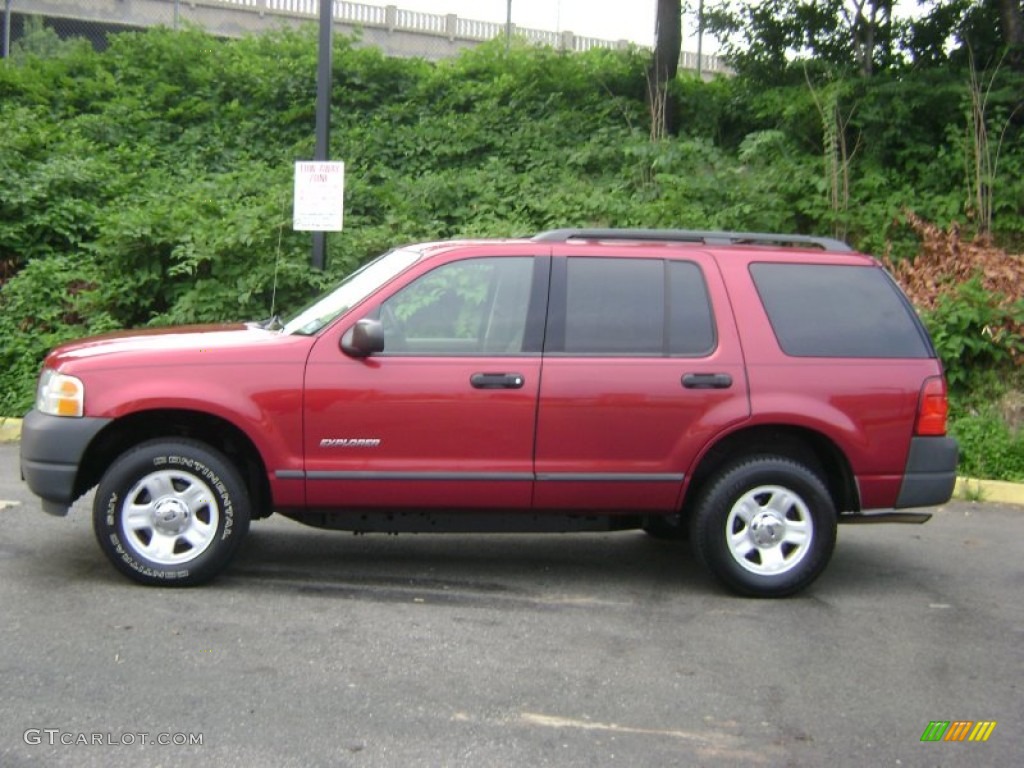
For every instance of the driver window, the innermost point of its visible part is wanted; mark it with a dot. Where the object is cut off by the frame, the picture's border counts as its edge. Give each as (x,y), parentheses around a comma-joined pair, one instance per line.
(472,307)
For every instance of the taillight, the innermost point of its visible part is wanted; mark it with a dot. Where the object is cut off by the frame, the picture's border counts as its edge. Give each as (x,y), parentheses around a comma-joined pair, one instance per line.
(932,408)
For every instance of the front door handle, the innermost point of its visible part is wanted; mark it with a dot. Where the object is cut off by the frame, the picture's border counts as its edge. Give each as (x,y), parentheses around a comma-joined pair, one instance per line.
(707,380)
(497,380)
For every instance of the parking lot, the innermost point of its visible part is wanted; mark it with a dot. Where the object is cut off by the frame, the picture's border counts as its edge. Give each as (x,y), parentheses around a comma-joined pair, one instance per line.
(324,649)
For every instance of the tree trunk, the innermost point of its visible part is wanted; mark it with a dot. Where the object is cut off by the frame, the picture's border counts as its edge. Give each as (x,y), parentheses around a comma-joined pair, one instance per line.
(668,43)
(866,20)
(1012,18)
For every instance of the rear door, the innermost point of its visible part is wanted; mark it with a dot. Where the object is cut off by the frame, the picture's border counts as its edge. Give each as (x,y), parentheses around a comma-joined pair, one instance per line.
(445,416)
(642,366)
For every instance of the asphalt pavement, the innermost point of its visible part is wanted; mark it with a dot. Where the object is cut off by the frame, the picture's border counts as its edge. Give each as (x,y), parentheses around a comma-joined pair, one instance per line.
(325,649)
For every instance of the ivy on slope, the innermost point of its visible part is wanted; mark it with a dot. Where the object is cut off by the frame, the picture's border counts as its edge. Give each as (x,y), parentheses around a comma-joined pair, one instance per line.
(151,183)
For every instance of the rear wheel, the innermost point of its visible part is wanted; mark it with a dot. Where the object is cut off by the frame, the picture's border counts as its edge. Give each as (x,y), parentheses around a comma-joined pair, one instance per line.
(765,527)
(171,512)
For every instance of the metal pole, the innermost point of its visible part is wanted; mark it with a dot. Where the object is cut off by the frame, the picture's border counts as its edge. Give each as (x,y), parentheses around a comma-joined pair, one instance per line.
(177,12)
(700,37)
(508,27)
(7,29)
(323,114)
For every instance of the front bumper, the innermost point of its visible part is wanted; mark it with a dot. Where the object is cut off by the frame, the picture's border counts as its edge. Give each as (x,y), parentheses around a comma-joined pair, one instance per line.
(52,448)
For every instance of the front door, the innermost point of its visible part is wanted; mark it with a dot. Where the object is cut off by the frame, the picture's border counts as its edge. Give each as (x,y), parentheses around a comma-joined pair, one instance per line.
(444,418)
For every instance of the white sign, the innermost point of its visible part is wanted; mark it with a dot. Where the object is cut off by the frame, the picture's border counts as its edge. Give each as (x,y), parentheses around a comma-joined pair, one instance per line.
(319,196)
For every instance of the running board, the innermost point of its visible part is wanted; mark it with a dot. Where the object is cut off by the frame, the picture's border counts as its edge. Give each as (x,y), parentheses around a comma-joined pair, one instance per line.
(886,517)
(477,521)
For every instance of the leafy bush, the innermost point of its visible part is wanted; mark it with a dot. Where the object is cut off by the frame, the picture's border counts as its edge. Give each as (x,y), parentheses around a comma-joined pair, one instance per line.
(49,302)
(975,331)
(988,447)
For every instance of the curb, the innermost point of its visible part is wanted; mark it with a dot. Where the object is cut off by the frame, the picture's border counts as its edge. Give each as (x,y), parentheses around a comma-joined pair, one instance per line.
(10,430)
(967,488)
(998,491)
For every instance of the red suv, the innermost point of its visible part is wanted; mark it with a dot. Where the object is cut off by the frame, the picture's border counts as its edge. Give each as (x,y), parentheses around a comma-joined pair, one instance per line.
(748,390)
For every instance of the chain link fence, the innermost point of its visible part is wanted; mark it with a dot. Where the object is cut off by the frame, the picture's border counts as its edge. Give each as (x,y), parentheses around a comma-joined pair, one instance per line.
(34,24)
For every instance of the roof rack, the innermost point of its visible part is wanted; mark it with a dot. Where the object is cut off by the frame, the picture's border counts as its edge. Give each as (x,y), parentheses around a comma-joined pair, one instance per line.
(691,236)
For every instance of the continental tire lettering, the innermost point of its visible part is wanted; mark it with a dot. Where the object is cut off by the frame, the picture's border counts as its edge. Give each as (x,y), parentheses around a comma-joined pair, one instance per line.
(126,532)
(111,509)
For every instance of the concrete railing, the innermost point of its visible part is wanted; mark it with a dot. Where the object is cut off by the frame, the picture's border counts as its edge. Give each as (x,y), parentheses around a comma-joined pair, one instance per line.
(398,32)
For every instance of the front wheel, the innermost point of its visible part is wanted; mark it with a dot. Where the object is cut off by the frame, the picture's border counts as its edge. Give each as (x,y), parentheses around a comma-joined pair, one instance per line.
(171,512)
(765,527)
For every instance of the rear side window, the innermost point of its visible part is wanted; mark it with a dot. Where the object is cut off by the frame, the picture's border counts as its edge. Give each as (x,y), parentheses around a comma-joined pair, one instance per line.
(691,331)
(634,307)
(615,306)
(820,310)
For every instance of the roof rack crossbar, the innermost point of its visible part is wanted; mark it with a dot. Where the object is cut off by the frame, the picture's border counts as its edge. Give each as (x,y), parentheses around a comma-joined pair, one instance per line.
(691,236)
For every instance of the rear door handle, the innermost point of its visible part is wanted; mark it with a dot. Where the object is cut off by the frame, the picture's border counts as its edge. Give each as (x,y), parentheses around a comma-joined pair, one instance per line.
(497,380)
(707,380)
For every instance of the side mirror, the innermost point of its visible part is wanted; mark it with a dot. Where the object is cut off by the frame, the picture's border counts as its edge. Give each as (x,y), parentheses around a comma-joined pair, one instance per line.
(363,339)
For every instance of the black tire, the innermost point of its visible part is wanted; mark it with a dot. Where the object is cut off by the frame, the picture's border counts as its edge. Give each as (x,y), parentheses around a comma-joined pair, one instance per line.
(171,512)
(765,526)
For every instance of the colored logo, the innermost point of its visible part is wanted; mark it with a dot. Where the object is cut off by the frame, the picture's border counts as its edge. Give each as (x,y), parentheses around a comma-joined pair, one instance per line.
(958,730)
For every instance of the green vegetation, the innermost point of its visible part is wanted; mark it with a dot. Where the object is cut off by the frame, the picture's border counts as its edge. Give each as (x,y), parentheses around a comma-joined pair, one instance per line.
(151,183)
(989,448)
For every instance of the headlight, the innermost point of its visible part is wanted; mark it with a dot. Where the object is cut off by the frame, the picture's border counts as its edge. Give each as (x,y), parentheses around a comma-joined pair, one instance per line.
(60,394)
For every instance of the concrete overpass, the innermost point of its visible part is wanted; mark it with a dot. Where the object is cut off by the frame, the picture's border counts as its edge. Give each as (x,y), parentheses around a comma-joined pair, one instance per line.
(397,32)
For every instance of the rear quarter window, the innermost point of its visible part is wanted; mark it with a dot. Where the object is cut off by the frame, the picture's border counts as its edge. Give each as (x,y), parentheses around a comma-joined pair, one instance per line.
(821,310)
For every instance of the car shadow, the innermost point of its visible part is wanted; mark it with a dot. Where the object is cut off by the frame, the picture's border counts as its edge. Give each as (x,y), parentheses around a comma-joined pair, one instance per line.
(562,568)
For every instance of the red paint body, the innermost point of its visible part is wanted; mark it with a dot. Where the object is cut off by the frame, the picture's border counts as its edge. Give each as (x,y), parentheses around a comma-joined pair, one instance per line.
(590,433)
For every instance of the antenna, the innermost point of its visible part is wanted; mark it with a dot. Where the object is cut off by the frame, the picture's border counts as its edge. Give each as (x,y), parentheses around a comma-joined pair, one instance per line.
(277,258)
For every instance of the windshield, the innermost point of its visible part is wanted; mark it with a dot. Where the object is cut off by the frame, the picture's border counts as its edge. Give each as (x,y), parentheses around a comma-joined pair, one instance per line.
(352,290)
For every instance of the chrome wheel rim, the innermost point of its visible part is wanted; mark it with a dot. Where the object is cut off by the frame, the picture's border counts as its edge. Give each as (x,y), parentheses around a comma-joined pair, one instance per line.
(769,530)
(170,517)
